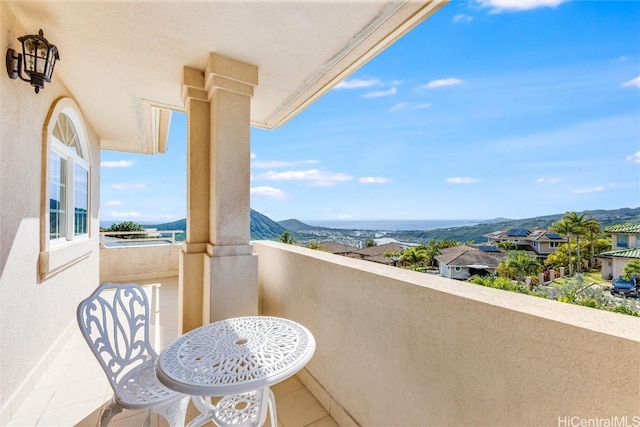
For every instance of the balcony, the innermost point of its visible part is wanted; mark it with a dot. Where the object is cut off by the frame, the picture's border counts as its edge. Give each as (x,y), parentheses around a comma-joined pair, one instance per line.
(395,347)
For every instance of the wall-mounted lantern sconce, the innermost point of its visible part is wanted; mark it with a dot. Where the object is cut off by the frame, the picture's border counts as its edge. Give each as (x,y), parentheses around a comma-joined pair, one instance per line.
(39,59)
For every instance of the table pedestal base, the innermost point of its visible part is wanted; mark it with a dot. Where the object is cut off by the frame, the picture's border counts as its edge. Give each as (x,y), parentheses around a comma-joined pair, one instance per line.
(244,409)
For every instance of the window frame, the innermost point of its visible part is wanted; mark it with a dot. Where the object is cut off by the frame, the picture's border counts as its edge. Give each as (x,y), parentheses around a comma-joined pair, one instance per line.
(61,252)
(71,160)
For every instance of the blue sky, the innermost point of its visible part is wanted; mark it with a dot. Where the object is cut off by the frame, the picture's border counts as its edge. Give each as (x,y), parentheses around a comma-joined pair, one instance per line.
(490,108)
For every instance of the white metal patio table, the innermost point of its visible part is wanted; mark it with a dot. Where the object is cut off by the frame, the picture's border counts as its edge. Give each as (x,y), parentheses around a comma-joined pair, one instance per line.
(234,356)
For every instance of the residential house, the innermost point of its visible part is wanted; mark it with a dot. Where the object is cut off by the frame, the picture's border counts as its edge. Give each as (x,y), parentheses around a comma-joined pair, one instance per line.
(376,253)
(625,247)
(461,262)
(384,335)
(337,248)
(541,242)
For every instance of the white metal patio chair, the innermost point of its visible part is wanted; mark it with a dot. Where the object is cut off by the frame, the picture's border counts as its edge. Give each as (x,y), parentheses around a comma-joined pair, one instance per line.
(114,321)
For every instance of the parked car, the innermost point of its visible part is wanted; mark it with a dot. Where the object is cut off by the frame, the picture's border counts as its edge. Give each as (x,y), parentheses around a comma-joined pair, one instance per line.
(625,288)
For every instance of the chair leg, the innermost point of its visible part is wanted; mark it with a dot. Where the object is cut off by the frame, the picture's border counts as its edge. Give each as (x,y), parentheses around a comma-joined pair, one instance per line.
(109,409)
(174,412)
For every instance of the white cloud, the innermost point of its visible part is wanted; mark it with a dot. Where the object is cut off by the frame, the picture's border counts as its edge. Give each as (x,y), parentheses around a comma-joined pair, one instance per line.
(460,180)
(587,190)
(635,158)
(451,81)
(357,83)
(461,17)
(127,186)
(498,6)
(269,192)
(281,163)
(116,214)
(113,203)
(632,83)
(549,180)
(373,180)
(380,93)
(252,155)
(345,216)
(318,178)
(623,58)
(399,106)
(409,106)
(117,164)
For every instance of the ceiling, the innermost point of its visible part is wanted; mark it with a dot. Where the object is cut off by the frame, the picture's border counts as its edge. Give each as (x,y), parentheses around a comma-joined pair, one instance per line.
(122,60)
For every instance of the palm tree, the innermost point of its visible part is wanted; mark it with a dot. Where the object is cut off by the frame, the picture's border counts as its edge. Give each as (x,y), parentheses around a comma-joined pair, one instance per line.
(414,256)
(578,223)
(522,265)
(565,228)
(393,256)
(592,227)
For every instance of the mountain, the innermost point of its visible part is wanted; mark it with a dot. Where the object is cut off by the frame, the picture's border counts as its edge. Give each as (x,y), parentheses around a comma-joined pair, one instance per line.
(476,233)
(296,225)
(262,228)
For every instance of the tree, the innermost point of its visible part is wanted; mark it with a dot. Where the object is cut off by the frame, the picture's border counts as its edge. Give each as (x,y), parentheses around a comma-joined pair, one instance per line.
(593,230)
(632,268)
(578,226)
(521,264)
(414,257)
(560,258)
(369,243)
(507,245)
(128,226)
(393,256)
(287,238)
(566,228)
(315,245)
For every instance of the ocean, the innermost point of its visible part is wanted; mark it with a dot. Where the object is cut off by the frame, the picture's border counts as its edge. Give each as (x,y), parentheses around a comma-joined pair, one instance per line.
(393,225)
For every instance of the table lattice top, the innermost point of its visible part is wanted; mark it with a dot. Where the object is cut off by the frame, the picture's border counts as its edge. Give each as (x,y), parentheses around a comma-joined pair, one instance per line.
(235,356)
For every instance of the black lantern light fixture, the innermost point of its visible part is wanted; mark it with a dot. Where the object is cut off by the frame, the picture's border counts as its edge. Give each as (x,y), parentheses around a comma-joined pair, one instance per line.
(39,58)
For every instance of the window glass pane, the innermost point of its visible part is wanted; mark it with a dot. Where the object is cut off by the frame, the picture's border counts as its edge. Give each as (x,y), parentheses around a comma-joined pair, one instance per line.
(57,197)
(622,240)
(81,199)
(66,133)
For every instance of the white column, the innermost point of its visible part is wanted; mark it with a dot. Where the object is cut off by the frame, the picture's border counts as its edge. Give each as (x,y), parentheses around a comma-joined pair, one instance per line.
(234,266)
(194,256)
(221,270)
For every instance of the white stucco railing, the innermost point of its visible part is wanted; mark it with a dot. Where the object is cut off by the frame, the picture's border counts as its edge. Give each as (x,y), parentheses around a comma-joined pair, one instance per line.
(396,347)
(154,237)
(138,259)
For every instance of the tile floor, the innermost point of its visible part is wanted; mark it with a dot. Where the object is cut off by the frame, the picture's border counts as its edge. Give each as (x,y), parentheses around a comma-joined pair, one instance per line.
(74,387)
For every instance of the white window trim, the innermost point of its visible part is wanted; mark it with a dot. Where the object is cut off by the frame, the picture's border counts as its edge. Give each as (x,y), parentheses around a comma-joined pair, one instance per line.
(58,254)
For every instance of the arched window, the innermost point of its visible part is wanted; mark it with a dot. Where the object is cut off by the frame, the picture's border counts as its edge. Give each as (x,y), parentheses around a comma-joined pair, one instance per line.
(68,174)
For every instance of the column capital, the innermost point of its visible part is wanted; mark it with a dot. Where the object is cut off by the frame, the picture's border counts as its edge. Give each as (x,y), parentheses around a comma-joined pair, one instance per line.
(230,75)
(193,84)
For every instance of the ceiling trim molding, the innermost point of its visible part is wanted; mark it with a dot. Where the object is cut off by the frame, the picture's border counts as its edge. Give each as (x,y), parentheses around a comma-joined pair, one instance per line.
(365,45)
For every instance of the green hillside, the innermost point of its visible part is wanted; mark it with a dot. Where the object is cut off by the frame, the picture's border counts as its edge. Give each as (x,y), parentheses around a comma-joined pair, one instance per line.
(476,233)
(262,228)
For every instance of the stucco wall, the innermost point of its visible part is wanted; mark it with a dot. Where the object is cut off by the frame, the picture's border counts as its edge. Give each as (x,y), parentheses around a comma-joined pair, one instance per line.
(396,347)
(33,313)
(143,262)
